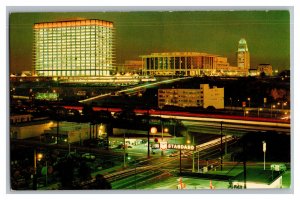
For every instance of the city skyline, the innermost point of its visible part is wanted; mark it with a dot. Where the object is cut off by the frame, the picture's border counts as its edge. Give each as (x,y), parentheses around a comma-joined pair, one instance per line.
(139,33)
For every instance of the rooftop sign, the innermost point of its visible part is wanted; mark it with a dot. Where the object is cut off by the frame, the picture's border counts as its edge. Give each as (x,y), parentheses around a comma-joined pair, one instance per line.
(181,146)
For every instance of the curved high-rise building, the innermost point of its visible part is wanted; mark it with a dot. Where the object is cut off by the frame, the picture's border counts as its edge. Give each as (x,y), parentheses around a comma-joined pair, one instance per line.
(73,48)
(243,55)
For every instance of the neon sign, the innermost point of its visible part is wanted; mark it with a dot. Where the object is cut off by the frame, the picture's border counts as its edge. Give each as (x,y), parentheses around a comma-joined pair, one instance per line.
(181,146)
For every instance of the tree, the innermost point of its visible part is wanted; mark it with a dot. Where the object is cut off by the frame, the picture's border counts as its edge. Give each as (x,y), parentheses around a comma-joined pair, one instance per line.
(101,183)
(65,169)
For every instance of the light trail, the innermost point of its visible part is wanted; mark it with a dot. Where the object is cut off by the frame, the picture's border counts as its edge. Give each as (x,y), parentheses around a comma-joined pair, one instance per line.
(134,88)
(256,123)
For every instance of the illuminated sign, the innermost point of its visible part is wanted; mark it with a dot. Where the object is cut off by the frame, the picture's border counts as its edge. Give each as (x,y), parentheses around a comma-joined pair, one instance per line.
(163,145)
(181,146)
(46,96)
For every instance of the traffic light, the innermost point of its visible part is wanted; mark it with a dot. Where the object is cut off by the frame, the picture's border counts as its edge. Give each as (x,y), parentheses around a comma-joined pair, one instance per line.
(156,140)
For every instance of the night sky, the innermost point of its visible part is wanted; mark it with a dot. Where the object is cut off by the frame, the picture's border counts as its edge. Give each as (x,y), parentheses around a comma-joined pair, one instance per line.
(139,33)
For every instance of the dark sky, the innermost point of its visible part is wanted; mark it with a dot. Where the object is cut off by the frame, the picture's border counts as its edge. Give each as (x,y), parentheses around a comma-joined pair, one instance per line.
(138,33)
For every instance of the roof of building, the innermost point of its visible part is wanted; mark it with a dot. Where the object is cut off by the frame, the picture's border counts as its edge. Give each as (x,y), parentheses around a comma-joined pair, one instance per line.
(29,123)
(242,45)
(259,176)
(166,54)
(72,23)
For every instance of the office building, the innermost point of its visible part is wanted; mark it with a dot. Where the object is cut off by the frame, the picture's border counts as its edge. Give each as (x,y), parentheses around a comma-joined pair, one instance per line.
(202,97)
(73,48)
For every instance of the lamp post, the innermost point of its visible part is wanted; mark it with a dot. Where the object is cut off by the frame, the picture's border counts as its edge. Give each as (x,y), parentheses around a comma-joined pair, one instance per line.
(162,137)
(283,104)
(249,99)
(193,155)
(272,107)
(246,112)
(230,103)
(258,109)
(124,146)
(264,150)
(36,157)
(153,131)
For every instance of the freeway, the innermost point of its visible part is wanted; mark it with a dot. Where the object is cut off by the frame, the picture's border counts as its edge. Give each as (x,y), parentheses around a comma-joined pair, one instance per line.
(130,90)
(195,120)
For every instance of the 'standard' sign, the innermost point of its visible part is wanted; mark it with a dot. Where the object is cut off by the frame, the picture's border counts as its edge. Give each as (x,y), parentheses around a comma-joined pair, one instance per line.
(181,146)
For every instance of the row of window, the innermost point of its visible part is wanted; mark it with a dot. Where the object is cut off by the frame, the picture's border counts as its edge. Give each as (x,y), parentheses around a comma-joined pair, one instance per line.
(73,73)
(60,33)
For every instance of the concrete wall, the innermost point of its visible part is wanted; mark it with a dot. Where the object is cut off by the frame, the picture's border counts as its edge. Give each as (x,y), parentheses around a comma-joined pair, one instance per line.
(28,131)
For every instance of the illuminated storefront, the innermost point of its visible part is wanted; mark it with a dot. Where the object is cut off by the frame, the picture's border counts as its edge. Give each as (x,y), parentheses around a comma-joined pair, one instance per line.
(73,48)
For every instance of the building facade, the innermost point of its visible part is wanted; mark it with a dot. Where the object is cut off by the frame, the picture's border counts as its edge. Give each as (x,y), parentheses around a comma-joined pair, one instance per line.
(188,64)
(243,55)
(73,48)
(265,68)
(203,97)
(130,66)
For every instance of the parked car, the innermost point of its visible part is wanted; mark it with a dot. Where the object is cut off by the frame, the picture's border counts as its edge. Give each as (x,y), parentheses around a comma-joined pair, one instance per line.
(88,156)
(173,154)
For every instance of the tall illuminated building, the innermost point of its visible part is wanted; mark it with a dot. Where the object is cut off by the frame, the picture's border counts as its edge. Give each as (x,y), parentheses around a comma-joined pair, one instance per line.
(243,55)
(73,48)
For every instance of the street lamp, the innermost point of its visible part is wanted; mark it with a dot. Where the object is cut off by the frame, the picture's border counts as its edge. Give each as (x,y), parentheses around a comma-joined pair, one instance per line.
(246,112)
(272,107)
(264,150)
(283,104)
(36,157)
(166,130)
(249,101)
(258,109)
(153,131)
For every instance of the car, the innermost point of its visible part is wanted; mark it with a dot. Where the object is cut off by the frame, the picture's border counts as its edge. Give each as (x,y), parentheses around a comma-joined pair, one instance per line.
(88,156)
(184,155)
(173,154)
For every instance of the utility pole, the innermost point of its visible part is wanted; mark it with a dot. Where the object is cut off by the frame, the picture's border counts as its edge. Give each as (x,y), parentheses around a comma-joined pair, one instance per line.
(124,146)
(180,161)
(221,145)
(148,135)
(193,157)
(198,162)
(57,127)
(244,163)
(34,178)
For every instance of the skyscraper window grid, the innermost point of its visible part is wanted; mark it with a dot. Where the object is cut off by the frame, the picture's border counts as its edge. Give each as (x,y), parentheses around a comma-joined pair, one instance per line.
(73,48)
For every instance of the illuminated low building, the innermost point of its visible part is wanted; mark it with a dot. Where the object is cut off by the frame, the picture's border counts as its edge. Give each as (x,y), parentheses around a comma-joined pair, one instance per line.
(29,129)
(69,132)
(52,96)
(258,179)
(265,68)
(17,118)
(203,97)
(130,66)
(189,64)
(73,48)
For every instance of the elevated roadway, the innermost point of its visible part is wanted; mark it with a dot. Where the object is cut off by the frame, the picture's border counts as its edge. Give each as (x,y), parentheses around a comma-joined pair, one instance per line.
(197,122)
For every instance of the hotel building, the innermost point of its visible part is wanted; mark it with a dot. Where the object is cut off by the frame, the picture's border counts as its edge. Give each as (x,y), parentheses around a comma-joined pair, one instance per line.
(73,48)
(188,64)
(203,97)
